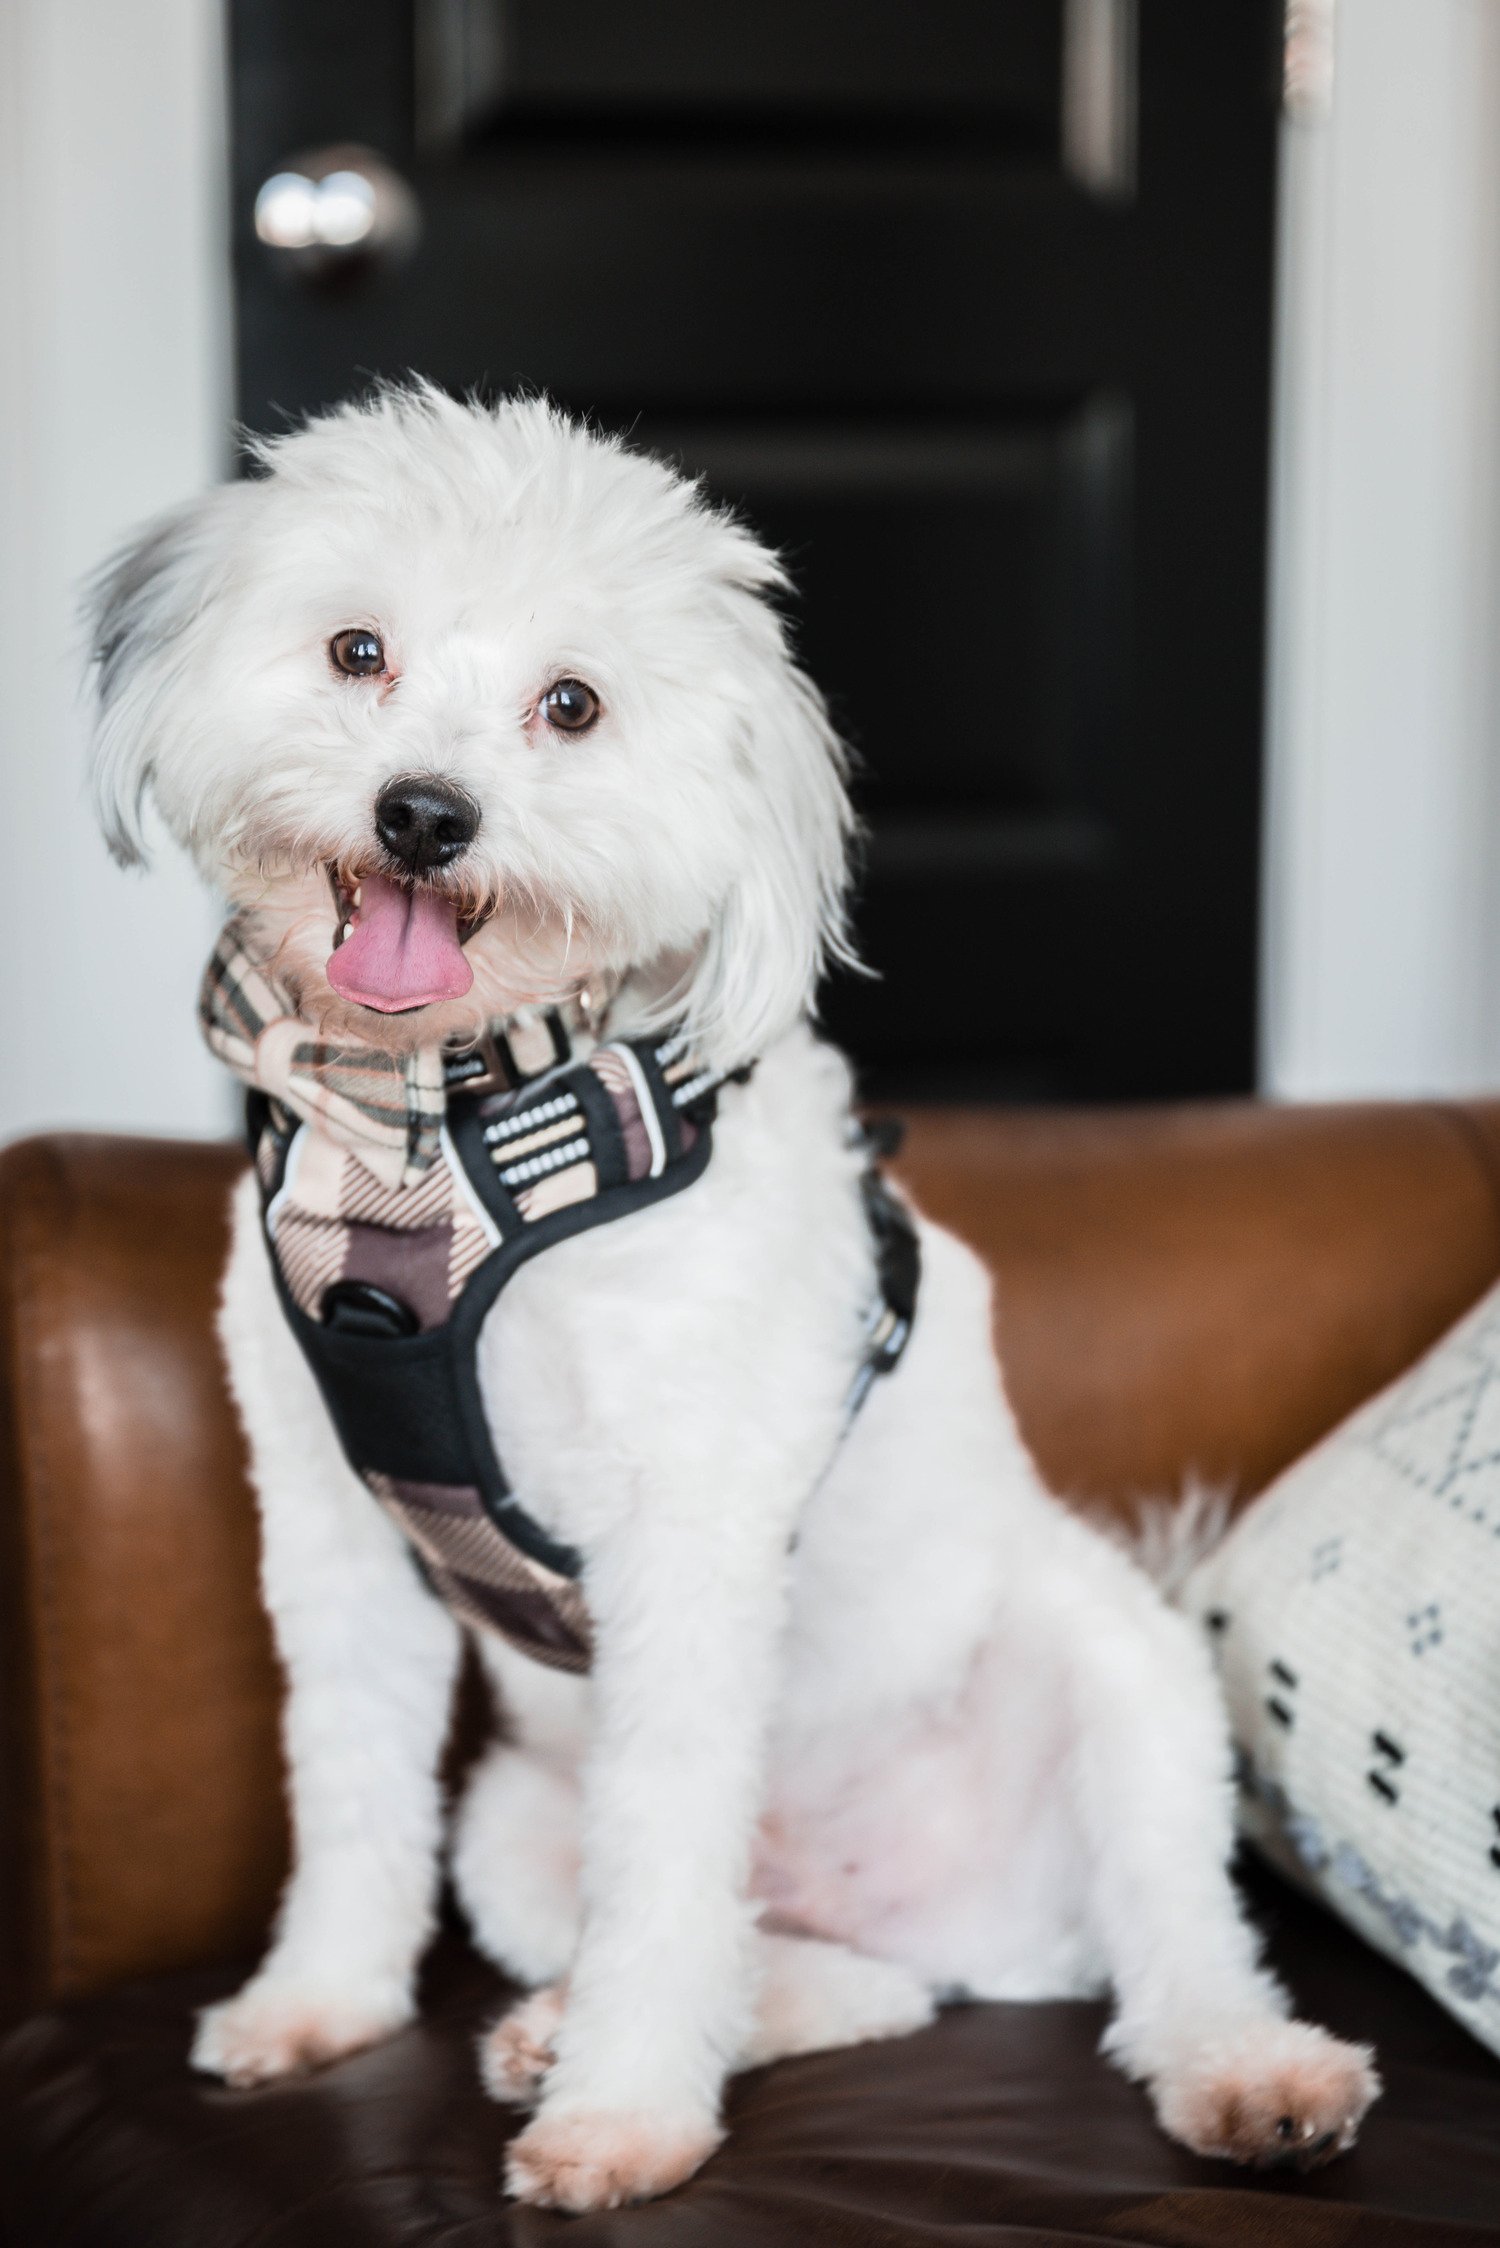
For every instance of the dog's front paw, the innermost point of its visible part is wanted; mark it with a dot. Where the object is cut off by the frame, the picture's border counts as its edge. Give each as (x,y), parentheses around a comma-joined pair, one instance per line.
(274,2028)
(516,2053)
(598,2158)
(1280,2095)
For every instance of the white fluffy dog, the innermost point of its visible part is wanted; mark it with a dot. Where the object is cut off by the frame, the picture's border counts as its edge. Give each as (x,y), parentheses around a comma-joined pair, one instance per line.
(873,1720)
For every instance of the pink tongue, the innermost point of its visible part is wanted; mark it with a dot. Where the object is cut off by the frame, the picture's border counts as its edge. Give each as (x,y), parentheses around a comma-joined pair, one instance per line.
(404,951)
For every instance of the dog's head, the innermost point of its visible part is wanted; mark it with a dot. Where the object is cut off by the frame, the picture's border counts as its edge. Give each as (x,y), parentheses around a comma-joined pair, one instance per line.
(478,707)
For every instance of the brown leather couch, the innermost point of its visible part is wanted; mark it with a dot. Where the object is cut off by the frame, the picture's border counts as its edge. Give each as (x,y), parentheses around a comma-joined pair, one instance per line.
(1199,1289)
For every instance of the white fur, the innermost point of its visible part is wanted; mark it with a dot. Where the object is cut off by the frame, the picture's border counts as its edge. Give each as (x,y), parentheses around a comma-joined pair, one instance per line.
(870,1721)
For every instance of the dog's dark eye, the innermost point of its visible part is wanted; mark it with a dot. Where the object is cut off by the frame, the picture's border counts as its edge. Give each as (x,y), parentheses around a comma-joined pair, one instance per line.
(570,706)
(361,653)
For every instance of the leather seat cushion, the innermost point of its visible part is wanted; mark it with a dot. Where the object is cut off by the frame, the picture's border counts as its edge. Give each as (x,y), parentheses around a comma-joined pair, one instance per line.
(1000,2124)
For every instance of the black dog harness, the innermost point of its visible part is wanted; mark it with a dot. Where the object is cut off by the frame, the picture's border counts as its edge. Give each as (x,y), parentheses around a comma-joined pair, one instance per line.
(386,1289)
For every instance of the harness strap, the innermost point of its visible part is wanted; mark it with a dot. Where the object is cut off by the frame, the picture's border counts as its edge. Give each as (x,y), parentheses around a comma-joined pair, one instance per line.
(387,1292)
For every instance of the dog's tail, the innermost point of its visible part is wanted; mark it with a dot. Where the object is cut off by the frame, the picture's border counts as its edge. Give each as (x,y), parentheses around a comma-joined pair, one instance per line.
(1167,1538)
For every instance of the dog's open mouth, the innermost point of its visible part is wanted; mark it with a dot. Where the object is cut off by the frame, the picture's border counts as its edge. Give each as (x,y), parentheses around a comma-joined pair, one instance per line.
(398,946)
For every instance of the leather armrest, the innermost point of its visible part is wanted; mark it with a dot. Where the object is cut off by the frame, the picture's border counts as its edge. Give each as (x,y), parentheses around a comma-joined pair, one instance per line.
(140,1820)
(1207,1289)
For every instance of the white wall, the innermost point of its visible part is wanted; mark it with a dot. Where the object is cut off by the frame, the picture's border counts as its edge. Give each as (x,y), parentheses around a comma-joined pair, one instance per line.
(113,403)
(1382,930)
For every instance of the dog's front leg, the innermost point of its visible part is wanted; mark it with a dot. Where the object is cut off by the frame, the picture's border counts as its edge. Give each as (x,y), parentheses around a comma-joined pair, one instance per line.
(369,1658)
(687,1599)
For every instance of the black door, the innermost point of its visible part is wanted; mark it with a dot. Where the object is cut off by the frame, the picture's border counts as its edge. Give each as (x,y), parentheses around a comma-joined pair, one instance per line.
(968,303)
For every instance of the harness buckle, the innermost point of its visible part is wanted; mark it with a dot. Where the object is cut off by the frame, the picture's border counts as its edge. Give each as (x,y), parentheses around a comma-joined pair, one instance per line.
(358,1307)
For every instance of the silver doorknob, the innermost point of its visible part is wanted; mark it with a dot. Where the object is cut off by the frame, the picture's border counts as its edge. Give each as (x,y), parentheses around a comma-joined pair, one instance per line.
(335,209)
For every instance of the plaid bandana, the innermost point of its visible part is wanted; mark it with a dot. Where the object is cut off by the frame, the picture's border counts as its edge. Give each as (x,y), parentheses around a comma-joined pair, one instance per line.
(386,1109)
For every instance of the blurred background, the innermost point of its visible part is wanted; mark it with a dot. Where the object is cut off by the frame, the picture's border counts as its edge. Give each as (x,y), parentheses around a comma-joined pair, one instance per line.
(1121,375)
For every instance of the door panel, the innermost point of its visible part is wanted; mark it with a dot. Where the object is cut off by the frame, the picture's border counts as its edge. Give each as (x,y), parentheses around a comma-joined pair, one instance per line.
(489,67)
(968,306)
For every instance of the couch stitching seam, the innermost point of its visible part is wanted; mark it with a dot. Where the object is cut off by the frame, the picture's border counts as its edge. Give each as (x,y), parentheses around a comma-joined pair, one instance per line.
(1484,1158)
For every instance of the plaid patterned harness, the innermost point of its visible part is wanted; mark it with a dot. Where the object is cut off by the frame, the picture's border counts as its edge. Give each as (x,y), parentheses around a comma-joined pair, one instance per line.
(387,1268)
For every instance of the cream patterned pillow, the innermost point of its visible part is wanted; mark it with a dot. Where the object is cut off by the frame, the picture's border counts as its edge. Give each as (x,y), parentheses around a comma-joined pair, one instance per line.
(1355,1613)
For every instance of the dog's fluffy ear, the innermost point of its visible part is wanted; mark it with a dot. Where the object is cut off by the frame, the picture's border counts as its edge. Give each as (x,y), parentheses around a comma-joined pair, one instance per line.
(137,611)
(783,920)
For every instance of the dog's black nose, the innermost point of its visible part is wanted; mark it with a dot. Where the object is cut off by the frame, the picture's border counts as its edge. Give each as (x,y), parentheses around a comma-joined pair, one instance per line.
(425,822)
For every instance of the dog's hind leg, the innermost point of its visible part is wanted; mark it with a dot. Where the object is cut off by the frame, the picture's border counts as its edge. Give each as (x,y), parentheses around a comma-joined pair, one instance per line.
(370,1659)
(812,1995)
(1198,2019)
(515,1863)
